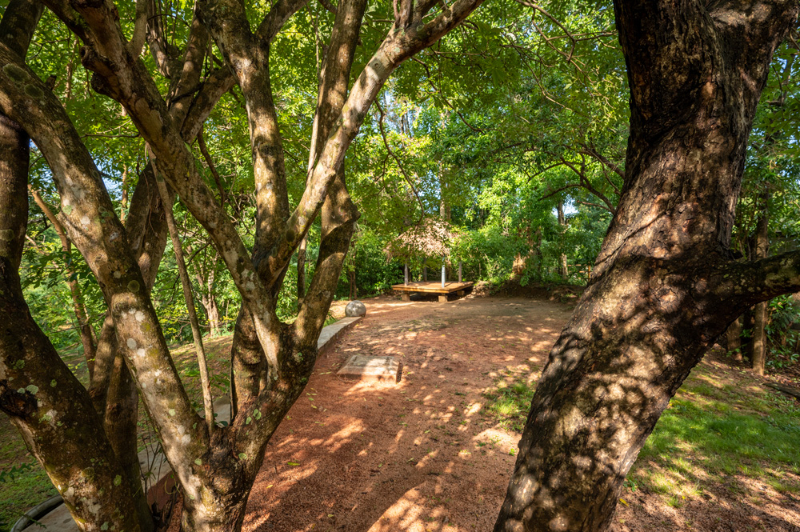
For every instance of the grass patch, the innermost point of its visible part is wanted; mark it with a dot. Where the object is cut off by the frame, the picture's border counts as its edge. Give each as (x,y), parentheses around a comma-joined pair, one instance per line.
(723,428)
(509,403)
(717,434)
(20,491)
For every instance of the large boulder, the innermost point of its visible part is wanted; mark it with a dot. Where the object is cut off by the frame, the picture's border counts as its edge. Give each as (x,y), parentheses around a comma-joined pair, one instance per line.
(355,308)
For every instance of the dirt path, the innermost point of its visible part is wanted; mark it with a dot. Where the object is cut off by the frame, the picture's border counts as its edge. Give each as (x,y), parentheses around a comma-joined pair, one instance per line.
(415,456)
(427,455)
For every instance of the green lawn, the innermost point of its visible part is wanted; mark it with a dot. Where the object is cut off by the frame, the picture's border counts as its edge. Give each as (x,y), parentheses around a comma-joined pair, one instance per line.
(722,428)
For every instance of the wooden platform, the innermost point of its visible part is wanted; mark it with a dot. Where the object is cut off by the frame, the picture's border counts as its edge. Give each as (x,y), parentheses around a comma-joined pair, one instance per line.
(431,287)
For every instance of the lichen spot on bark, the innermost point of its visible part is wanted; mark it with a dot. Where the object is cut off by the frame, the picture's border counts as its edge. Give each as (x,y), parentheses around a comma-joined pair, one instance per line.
(6,235)
(15,73)
(131,343)
(34,92)
(133,286)
(559,524)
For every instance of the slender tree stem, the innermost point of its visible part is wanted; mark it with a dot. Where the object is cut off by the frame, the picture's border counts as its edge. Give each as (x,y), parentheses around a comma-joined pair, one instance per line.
(208,403)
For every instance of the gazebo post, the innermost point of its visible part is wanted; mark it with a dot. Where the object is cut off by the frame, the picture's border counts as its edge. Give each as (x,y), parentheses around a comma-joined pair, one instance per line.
(405,274)
(459,271)
(443,273)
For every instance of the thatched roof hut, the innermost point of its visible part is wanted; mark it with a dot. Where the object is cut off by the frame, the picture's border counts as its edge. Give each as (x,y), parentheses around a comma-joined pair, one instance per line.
(430,238)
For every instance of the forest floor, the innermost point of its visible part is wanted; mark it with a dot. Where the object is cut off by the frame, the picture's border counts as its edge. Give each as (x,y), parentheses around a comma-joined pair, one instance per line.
(435,452)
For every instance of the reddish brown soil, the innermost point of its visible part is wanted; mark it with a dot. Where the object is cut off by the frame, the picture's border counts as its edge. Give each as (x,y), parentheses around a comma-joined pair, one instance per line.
(424,455)
(419,455)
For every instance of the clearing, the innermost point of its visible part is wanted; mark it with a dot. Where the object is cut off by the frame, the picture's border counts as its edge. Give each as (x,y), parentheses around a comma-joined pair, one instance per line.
(434,452)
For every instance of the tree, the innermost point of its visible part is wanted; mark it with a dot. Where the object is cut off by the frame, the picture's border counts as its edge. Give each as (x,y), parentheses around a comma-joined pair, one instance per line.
(271,360)
(665,285)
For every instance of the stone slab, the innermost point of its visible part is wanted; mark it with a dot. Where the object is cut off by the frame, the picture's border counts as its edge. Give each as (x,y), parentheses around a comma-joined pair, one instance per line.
(152,459)
(367,368)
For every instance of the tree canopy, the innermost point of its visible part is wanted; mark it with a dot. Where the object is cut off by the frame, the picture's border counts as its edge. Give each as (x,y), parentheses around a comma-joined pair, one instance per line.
(286,146)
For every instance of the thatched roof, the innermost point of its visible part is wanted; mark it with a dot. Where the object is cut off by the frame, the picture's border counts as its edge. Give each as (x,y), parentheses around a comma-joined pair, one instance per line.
(430,238)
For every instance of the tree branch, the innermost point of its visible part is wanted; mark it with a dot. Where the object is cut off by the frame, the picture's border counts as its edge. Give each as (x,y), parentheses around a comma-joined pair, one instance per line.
(395,49)
(748,283)
(204,150)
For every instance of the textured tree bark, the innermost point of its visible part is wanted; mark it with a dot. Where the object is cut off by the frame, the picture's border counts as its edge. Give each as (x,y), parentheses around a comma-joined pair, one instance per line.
(188,297)
(212,314)
(37,390)
(664,286)
(66,462)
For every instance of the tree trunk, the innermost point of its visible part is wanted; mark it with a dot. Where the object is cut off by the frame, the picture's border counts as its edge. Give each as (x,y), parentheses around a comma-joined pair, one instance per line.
(37,403)
(758,353)
(444,206)
(212,313)
(78,306)
(734,337)
(563,268)
(664,286)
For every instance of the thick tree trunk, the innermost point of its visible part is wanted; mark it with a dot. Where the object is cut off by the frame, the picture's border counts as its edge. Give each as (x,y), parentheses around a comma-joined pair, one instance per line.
(758,347)
(213,473)
(664,287)
(37,403)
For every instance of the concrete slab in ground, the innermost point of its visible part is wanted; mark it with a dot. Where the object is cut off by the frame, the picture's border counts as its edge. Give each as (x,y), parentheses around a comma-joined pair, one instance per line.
(362,367)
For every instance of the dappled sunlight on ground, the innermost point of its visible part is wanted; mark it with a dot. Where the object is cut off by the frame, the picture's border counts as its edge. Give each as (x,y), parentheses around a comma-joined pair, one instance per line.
(420,455)
(435,451)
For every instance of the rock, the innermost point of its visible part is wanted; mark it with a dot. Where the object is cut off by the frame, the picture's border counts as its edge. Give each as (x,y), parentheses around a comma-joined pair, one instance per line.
(355,308)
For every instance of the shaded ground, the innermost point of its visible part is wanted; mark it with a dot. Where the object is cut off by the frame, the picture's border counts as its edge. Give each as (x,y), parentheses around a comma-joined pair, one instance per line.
(434,453)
